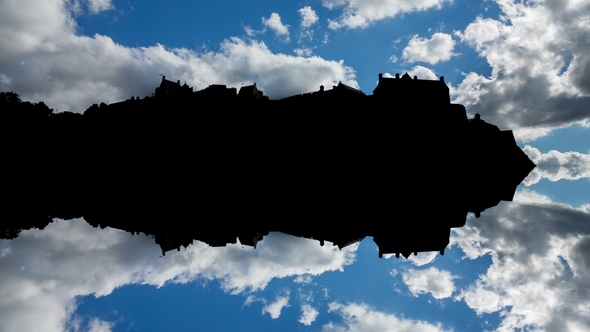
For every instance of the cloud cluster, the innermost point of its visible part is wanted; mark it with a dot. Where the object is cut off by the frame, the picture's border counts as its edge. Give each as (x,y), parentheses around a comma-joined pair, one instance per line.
(436,49)
(97,6)
(360,13)
(274,308)
(42,272)
(275,24)
(539,278)
(437,282)
(44,59)
(555,165)
(308,16)
(538,52)
(361,317)
(308,314)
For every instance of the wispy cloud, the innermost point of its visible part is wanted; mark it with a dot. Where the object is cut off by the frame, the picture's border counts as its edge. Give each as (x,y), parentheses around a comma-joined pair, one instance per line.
(361,317)
(97,6)
(360,13)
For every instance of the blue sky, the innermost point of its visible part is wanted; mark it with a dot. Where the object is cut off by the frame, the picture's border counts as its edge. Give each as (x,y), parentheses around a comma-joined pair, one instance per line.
(523,66)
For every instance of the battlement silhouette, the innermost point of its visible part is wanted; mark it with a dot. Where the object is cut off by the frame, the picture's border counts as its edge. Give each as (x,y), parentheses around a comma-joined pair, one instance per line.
(218,165)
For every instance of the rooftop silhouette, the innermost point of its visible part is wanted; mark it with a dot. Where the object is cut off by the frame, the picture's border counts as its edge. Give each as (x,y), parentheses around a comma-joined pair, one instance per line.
(404,165)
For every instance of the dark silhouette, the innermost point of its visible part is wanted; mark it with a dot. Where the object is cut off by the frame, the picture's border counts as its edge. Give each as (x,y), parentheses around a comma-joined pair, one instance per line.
(403,165)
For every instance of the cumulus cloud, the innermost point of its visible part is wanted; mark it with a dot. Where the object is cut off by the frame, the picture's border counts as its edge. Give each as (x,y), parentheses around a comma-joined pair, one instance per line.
(436,49)
(437,282)
(275,24)
(540,272)
(555,165)
(42,272)
(308,314)
(44,59)
(360,13)
(274,308)
(308,16)
(481,300)
(422,73)
(423,258)
(537,83)
(361,317)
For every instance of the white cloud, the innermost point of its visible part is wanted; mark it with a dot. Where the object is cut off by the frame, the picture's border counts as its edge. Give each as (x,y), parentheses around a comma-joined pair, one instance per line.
(274,308)
(303,52)
(305,35)
(251,32)
(555,165)
(303,279)
(539,278)
(420,72)
(308,314)
(362,318)
(308,16)
(540,60)
(437,282)
(360,13)
(43,59)
(97,6)
(275,24)
(251,299)
(42,272)
(423,73)
(97,325)
(436,49)
(481,300)
(423,258)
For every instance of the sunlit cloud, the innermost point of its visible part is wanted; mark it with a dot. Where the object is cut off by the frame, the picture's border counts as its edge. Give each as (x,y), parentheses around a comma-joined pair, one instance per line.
(43,272)
(308,314)
(438,283)
(274,308)
(361,317)
(360,14)
(73,71)
(537,83)
(539,276)
(436,49)
(555,165)
(308,16)
(275,24)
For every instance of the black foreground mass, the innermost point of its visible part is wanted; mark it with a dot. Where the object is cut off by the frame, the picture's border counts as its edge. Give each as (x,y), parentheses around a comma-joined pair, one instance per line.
(403,165)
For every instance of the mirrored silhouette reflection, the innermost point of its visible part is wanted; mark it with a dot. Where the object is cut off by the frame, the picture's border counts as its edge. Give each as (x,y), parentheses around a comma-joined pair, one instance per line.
(269,181)
(218,165)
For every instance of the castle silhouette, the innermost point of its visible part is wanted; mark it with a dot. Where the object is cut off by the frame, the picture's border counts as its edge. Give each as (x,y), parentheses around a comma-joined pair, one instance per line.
(404,165)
